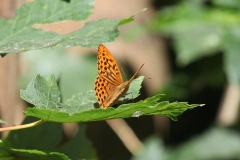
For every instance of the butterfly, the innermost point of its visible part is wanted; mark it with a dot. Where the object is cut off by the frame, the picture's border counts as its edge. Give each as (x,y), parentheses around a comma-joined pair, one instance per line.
(109,85)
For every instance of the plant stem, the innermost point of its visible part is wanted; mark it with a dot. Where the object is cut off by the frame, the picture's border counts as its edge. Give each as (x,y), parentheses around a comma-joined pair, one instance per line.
(22,126)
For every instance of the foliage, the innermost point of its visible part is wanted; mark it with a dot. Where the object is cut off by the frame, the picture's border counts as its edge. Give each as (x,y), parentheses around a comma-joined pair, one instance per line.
(19,34)
(44,94)
(200,31)
(44,142)
(205,37)
(215,143)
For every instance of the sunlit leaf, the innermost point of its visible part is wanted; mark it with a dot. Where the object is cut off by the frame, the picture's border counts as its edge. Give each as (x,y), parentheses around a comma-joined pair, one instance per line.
(83,107)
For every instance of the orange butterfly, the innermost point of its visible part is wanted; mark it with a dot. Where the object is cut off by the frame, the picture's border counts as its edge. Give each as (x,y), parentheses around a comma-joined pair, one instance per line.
(109,85)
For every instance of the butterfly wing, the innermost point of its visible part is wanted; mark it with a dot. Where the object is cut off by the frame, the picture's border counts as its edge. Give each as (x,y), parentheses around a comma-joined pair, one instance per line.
(107,66)
(120,90)
(100,91)
(103,91)
(109,85)
(113,93)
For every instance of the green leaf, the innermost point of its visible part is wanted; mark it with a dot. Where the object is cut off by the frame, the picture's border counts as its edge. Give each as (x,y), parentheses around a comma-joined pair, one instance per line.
(18,34)
(131,18)
(83,107)
(216,143)
(58,62)
(201,31)
(153,149)
(35,155)
(79,147)
(197,31)
(92,34)
(235,4)
(186,23)
(46,141)
(46,136)
(43,93)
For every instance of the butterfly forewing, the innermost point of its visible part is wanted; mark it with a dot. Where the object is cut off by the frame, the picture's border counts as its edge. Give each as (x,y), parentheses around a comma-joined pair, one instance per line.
(107,66)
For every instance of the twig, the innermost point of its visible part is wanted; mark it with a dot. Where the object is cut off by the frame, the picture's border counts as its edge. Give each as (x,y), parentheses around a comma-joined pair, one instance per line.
(228,112)
(126,134)
(22,126)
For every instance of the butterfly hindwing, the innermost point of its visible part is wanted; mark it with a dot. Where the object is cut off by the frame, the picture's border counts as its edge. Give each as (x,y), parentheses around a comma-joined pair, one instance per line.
(100,89)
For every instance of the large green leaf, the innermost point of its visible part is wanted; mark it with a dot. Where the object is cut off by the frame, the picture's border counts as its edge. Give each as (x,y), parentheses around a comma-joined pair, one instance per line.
(18,34)
(83,107)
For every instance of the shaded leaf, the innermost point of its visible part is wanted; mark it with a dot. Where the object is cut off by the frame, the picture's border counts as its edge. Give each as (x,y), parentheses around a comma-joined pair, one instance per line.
(235,4)
(216,143)
(48,139)
(79,147)
(35,155)
(153,149)
(200,31)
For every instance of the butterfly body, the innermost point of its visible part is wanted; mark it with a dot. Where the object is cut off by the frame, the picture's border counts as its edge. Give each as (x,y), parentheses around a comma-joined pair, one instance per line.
(109,85)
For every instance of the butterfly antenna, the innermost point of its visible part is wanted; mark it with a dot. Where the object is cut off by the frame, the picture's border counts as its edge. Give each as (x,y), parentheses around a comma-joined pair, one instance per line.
(136,73)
